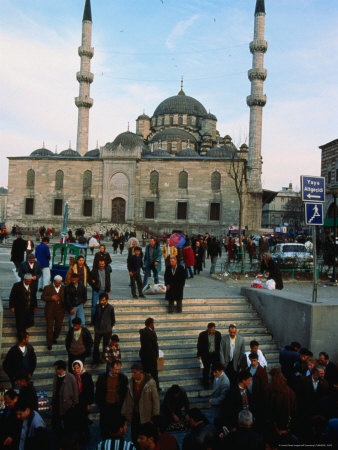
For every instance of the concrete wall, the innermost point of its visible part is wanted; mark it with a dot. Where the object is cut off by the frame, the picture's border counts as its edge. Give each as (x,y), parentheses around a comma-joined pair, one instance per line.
(314,325)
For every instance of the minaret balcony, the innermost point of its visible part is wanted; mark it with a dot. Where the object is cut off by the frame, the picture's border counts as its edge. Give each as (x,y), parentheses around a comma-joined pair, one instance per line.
(256,100)
(258,45)
(86,51)
(84,102)
(88,77)
(257,74)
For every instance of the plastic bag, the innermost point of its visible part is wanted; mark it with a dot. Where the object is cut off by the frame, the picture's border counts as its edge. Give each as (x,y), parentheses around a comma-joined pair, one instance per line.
(270,284)
(257,283)
(154,289)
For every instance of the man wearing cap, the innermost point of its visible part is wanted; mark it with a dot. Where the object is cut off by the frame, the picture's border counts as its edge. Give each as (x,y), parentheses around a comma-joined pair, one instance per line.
(22,302)
(18,250)
(33,267)
(232,347)
(54,296)
(75,298)
(142,401)
(79,342)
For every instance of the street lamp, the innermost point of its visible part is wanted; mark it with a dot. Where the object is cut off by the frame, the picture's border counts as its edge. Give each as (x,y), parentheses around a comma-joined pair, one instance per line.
(334,192)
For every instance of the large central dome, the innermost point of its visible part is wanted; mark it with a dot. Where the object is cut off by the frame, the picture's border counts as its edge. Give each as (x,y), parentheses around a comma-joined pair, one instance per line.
(180,104)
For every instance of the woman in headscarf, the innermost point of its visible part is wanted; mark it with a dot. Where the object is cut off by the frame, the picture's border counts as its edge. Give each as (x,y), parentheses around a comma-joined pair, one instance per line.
(85,386)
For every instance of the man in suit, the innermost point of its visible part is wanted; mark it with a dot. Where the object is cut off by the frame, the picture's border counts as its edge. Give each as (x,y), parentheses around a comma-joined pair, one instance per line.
(54,296)
(232,347)
(331,371)
(220,388)
(208,350)
(313,395)
(174,279)
(33,267)
(22,302)
(100,283)
(149,349)
(18,250)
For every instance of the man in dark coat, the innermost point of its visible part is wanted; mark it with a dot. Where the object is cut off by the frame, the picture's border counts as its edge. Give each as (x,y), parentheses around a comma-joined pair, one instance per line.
(174,279)
(18,250)
(75,298)
(288,356)
(108,399)
(238,399)
(104,320)
(331,370)
(149,349)
(33,267)
(208,350)
(78,342)
(20,358)
(22,302)
(10,425)
(102,254)
(100,283)
(54,296)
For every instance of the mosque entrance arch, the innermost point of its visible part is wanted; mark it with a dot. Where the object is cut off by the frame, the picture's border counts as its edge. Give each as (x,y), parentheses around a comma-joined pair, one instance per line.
(118,210)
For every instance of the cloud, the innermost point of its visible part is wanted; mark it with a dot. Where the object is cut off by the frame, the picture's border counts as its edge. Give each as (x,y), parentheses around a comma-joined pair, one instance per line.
(179,30)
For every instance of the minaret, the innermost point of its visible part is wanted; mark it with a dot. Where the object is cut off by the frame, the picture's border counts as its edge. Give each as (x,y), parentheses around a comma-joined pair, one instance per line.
(257,100)
(84,77)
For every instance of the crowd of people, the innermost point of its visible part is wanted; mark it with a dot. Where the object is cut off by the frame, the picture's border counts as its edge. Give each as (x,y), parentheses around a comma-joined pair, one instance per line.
(252,406)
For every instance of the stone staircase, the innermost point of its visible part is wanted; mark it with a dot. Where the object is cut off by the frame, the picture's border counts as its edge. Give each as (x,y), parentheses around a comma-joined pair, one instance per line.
(177,337)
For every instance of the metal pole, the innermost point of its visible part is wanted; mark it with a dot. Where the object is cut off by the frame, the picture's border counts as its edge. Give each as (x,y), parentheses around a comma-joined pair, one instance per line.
(314,292)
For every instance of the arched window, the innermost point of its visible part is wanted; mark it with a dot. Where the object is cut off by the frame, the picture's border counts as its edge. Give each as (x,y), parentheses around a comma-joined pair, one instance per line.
(183,180)
(180,120)
(154,177)
(59,179)
(216,181)
(30,182)
(87,182)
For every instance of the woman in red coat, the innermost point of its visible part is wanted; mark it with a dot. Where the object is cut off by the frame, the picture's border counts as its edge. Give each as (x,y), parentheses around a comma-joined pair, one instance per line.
(189,260)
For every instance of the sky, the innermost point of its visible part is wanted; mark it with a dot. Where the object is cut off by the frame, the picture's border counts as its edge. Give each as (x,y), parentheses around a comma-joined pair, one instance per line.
(143,47)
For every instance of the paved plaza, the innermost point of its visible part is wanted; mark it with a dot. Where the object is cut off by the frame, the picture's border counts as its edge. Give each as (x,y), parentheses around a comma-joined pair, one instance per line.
(202,286)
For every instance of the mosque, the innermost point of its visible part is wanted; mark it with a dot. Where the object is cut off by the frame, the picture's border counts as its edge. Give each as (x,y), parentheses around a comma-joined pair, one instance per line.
(174,172)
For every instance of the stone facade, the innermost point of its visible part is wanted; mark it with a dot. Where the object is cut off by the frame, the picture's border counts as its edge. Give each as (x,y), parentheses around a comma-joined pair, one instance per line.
(172,173)
(329,170)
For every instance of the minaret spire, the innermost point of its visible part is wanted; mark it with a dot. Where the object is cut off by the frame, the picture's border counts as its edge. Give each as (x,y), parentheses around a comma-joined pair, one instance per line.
(84,77)
(257,100)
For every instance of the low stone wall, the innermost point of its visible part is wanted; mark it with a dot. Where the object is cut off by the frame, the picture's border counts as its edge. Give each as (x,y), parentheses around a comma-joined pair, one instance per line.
(314,325)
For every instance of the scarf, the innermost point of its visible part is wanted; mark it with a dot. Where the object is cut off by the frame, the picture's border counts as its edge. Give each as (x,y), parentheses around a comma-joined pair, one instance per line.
(78,377)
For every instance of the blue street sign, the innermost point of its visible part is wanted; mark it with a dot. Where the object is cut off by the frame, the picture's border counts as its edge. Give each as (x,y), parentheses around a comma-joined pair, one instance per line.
(314,213)
(313,189)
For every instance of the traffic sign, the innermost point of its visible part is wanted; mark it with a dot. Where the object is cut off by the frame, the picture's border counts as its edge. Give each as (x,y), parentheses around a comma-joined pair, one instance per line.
(313,189)
(314,214)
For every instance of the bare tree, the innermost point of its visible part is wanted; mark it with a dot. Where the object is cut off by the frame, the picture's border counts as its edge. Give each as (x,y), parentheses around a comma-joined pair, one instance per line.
(238,173)
(294,212)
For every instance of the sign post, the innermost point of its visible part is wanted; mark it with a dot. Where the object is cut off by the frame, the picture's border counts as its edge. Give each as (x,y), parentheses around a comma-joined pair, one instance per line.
(313,194)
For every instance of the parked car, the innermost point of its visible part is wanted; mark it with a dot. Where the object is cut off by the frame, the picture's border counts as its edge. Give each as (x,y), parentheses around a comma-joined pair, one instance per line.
(292,255)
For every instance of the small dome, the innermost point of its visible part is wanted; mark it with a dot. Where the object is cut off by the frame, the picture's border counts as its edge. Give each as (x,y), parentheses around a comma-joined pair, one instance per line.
(143,117)
(210,117)
(92,153)
(69,153)
(127,140)
(42,152)
(222,152)
(180,104)
(173,134)
(160,152)
(244,147)
(187,153)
